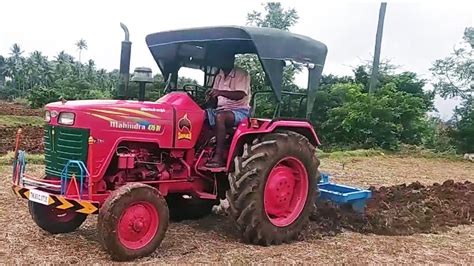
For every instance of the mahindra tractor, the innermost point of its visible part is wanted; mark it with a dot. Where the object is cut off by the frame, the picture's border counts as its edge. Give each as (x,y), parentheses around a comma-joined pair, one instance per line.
(138,164)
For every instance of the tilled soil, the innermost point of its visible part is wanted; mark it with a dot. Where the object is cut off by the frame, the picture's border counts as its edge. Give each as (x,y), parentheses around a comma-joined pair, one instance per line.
(338,236)
(18,109)
(32,135)
(32,139)
(403,210)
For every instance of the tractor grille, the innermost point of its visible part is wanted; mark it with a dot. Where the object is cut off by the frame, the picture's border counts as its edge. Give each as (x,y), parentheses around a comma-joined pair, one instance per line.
(62,144)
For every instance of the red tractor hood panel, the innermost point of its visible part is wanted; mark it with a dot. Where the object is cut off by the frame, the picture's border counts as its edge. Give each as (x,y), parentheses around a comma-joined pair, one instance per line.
(180,100)
(175,120)
(82,105)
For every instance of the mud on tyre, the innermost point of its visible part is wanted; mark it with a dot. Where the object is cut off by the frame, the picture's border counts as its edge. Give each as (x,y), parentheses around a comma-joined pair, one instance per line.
(55,221)
(273,188)
(133,221)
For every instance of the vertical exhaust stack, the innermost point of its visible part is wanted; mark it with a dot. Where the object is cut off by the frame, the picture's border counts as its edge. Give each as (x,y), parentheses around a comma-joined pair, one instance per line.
(124,72)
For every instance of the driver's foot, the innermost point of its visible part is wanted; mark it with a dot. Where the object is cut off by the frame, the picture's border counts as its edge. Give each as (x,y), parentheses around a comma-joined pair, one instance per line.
(215,162)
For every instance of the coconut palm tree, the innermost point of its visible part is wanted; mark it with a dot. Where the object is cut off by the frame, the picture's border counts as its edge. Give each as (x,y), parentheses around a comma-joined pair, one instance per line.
(38,69)
(16,51)
(64,63)
(91,72)
(63,57)
(81,45)
(3,70)
(15,67)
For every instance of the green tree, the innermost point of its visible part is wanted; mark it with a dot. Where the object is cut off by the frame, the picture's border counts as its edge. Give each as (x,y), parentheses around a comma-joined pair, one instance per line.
(41,80)
(464,126)
(412,122)
(3,70)
(440,136)
(454,77)
(16,51)
(273,16)
(64,58)
(385,119)
(16,69)
(81,45)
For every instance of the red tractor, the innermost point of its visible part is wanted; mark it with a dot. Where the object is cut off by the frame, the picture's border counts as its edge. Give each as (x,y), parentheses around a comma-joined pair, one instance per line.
(139,163)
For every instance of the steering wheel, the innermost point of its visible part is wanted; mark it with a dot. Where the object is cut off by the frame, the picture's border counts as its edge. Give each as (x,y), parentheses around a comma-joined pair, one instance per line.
(197,92)
(193,88)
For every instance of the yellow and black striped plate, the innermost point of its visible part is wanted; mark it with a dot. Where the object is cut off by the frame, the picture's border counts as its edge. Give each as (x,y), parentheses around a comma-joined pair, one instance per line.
(81,206)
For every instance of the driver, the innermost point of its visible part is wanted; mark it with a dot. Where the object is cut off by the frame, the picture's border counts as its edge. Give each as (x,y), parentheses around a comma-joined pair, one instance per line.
(231,89)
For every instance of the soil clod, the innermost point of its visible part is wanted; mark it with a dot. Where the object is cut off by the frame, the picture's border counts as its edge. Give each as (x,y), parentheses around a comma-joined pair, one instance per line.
(403,210)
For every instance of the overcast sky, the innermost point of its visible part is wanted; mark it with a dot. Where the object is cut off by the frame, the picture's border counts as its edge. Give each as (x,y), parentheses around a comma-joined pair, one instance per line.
(415,34)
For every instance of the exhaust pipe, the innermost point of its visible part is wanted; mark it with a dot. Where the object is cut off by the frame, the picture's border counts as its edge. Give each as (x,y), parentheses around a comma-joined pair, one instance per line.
(124,72)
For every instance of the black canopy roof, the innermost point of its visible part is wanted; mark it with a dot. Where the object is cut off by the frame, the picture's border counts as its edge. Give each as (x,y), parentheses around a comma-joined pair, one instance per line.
(210,47)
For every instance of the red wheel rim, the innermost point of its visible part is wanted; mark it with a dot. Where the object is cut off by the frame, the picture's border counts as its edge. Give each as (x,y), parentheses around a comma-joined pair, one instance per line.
(285,191)
(61,216)
(138,225)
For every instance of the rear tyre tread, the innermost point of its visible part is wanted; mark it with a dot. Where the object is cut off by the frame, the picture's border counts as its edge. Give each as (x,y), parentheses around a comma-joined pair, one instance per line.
(247,184)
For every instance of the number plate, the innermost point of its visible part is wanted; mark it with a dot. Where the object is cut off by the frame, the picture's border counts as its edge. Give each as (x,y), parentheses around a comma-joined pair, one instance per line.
(39,197)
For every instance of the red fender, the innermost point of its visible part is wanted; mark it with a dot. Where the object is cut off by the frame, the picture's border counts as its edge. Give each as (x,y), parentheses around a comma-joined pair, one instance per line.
(245,129)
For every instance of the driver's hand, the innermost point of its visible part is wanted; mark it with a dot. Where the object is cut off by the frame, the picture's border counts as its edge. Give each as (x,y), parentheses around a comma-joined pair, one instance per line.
(214,93)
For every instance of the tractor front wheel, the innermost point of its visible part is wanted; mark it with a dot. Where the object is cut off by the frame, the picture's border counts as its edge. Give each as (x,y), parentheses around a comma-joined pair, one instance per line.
(273,188)
(133,221)
(55,221)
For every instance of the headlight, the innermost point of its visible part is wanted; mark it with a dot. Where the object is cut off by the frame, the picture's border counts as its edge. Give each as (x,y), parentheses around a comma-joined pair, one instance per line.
(66,118)
(47,117)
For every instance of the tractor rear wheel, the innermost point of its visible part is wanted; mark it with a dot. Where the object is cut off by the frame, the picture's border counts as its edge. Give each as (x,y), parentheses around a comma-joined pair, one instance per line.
(273,188)
(182,208)
(133,221)
(55,221)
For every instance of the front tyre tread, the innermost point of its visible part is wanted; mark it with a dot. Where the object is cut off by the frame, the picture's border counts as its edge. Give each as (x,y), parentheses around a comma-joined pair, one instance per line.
(112,210)
(41,215)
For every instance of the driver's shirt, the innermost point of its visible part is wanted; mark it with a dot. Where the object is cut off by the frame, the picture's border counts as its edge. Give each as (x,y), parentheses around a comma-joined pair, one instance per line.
(237,80)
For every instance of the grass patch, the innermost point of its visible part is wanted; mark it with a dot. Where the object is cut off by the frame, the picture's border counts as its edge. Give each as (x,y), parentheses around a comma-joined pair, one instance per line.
(7,159)
(405,151)
(429,154)
(345,154)
(16,120)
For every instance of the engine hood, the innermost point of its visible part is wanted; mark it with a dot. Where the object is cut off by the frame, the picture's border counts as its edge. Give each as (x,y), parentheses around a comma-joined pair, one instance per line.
(84,105)
(126,114)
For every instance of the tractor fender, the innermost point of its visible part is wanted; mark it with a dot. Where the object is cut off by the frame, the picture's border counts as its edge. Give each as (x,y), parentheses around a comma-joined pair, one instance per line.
(245,132)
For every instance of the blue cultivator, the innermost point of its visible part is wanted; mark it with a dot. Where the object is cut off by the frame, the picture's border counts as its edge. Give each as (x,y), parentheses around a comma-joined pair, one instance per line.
(342,194)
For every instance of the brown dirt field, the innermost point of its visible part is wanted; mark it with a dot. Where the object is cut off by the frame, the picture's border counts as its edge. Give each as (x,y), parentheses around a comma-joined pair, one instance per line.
(7,108)
(213,239)
(403,210)
(32,135)
(391,170)
(32,139)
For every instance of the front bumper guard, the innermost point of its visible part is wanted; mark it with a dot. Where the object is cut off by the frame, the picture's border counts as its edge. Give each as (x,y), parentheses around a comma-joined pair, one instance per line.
(56,201)
(47,192)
